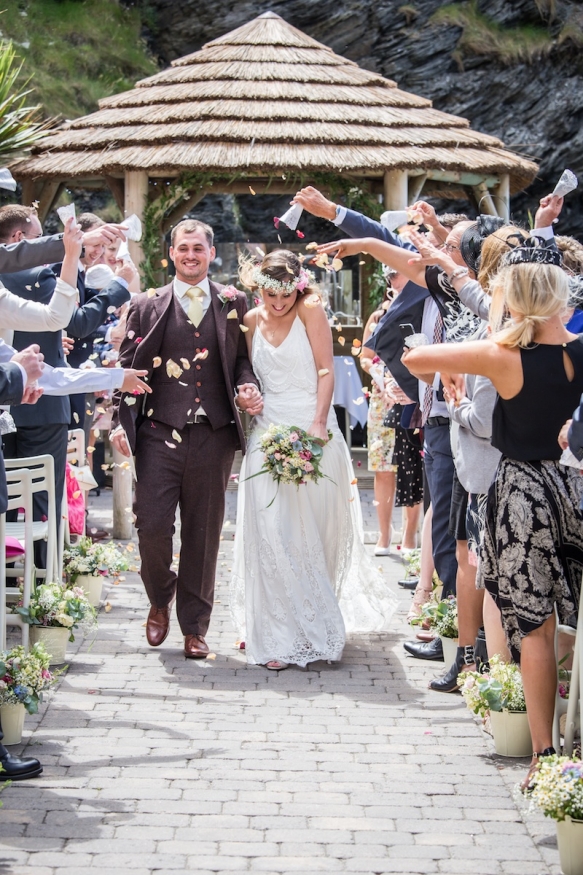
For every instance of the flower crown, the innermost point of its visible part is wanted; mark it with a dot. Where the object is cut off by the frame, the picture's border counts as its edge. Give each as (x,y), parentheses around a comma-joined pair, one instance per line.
(264,281)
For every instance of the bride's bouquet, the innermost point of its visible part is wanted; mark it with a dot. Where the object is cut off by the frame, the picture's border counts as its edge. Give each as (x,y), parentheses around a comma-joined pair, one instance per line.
(291,455)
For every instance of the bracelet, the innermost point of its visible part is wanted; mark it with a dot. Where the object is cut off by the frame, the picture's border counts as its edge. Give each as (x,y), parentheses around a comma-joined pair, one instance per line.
(458,273)
(240,409)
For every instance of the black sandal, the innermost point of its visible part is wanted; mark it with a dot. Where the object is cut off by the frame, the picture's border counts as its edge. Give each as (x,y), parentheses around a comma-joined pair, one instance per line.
(527,786)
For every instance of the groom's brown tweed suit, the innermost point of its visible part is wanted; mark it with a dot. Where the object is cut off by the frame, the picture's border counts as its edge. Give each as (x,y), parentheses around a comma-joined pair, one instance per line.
(178,462)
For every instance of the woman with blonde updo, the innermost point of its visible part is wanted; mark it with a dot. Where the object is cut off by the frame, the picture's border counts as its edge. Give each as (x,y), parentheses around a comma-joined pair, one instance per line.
(532,554)
(301,576)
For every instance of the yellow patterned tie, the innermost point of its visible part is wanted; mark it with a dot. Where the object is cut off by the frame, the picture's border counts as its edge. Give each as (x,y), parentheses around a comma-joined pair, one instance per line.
(195,310)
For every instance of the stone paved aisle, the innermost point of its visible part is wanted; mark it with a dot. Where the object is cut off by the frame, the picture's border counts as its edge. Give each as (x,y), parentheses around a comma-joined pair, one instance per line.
(158,764)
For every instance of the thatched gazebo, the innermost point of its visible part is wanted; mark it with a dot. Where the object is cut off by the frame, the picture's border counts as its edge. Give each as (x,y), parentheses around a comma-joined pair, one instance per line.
(268,107)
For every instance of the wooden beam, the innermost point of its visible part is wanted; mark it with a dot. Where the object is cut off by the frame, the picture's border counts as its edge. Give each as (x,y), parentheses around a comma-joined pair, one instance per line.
(136,192)
(416,184)
(181,210)
(463,177)
(502,196)
(396,190)
(484,198)
(117,188)
(51,191)
(29,191)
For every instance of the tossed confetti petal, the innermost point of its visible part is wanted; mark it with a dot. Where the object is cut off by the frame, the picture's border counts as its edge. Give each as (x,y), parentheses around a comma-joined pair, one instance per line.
(232,314)
(276,222)
(131,334)
(252,190)
(336,264)
(375,503)
(92,449)
(211,656)
(359,400)
(203,354)
(172,369)
(244,328)
(156,361)
(300,234)
(321,260)
(185,364)
(151,292)
(76,417)
(313,301)
(168,444)
(356,342)
(311,246)
(176,436)
(323,371)
(107,608)
(164,262)
(354,481)
(150,411)
(129,400)
(341,341)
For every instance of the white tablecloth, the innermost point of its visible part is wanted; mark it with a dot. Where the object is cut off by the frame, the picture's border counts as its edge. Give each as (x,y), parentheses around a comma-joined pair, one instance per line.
(348,390)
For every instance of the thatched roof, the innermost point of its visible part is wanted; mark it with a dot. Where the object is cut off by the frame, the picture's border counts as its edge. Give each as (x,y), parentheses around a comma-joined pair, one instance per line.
(267,98)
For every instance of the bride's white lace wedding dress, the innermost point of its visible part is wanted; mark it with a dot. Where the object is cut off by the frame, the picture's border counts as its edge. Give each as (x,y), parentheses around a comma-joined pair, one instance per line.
(301,576)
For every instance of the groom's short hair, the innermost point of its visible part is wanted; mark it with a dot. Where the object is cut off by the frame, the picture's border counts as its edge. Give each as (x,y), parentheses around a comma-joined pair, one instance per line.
(190,225)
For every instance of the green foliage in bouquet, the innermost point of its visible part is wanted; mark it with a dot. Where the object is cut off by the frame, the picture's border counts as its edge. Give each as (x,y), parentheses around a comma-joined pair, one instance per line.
(499,690)
(558,788)
(441,616)
(24,676)
(56,604)
(94,559)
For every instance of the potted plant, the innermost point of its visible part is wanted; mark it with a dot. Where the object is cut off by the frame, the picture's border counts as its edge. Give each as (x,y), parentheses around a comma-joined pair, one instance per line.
(23,677)
(445,625)
(86,564)
(557,790)
(500,694)
(56,609)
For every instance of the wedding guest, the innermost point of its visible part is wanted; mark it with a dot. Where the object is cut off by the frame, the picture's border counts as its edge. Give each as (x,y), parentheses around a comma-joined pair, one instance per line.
(185,439)
(532,553)
(43,427)
(396,463)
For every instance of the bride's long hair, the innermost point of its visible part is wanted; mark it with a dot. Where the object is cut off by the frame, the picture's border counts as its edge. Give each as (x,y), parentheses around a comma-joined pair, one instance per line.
(281,265)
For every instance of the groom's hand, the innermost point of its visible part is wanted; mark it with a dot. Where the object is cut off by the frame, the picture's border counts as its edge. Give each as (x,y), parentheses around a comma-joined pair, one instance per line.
(249,399)
(119,440)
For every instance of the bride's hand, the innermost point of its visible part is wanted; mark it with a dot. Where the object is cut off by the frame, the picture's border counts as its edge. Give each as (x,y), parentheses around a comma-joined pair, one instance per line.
(319,430)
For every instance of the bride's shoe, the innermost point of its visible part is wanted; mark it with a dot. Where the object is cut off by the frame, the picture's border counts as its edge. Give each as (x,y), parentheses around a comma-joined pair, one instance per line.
(276,665)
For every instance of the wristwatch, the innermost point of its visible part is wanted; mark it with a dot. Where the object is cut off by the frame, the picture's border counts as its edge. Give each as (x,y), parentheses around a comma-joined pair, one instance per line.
(458,272)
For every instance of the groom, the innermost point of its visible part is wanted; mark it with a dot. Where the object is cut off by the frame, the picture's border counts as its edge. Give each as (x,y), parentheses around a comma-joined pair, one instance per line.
(187,335)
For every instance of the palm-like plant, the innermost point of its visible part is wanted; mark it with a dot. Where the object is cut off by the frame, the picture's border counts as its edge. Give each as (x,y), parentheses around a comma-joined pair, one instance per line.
(20,125)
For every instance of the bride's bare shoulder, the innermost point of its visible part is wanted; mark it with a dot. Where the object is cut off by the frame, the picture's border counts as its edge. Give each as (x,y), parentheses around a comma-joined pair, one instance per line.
(311,310)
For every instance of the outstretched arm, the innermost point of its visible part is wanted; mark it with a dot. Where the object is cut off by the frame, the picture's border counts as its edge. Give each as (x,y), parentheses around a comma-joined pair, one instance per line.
(396,257)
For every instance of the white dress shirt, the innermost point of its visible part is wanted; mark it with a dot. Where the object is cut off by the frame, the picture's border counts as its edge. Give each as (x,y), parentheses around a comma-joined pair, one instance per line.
(69,381)
(18,314)
(180,290)
(430,311)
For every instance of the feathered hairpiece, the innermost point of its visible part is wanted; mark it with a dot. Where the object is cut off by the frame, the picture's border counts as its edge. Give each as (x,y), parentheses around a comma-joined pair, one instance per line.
(533,251)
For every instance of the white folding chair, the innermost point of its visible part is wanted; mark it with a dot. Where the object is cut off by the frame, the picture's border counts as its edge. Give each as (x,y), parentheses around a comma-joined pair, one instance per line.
(19,486)
(575,701)
(75,456)
(42,477)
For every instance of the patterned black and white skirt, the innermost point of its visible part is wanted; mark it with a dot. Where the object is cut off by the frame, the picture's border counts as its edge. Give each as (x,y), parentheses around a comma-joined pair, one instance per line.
(531,557)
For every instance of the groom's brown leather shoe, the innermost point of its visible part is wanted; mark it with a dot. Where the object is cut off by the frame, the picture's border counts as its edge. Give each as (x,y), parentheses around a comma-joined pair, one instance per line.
(158,625)
(195,647)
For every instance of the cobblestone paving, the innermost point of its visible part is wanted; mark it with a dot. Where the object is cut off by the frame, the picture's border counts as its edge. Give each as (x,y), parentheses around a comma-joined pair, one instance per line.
(158,764)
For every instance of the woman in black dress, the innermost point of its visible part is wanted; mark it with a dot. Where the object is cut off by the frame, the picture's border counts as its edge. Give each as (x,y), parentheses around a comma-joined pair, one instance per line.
(532,553)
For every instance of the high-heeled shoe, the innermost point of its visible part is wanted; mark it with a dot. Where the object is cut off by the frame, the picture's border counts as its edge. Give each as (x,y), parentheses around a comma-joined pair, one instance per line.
(527,785)
(385,551)
(276,665)
(419,599)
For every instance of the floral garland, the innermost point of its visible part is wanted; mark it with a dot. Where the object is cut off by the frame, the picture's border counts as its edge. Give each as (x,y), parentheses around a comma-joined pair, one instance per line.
(264,281)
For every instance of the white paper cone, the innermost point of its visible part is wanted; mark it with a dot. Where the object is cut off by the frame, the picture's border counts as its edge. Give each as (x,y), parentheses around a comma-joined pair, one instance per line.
(568,182)
(393,219)
(570,459)
(123,253)
(292,217)
(7,180)
(134,228)
(66,212)
(416,340)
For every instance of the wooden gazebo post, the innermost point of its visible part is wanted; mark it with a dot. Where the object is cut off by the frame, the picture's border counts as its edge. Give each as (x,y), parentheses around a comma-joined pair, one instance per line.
(136,192)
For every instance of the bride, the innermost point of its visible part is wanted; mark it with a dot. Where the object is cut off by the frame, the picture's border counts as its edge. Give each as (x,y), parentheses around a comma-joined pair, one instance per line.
(301,576)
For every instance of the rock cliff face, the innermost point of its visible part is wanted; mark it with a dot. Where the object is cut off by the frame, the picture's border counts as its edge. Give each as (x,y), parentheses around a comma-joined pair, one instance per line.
(514,69)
